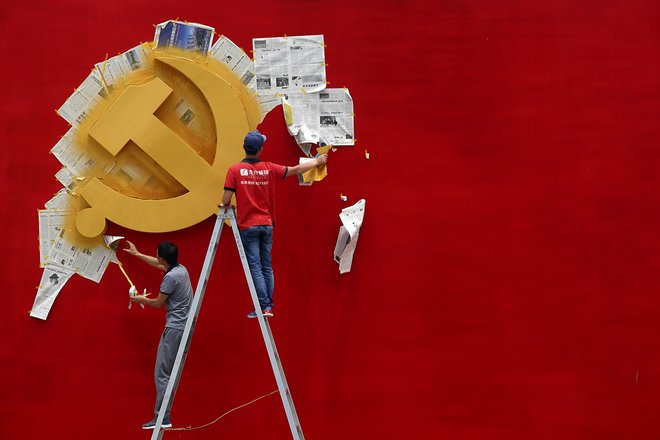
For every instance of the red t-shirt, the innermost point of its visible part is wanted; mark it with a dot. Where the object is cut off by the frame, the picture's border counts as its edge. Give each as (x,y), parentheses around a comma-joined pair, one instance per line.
(253,183)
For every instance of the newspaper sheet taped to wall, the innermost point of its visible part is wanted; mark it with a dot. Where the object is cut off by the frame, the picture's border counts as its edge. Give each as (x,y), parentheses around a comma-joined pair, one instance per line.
(225,51)
(286,64)
(187,36)
(87,261)
(324,118)
(61,201)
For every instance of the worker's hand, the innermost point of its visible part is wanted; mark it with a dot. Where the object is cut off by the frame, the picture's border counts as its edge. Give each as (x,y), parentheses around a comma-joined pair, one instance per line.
(140,299)
(321,160)
(131,249)
(229,206)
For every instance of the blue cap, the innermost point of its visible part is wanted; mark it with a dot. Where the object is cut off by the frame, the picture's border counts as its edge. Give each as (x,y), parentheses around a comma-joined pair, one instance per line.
(253,141)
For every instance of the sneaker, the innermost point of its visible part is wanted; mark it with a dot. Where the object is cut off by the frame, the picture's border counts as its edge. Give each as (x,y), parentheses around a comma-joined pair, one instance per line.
(152,424)
(267,312)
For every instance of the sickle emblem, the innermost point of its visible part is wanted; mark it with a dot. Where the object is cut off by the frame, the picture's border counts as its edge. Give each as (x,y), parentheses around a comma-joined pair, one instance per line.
(131,118)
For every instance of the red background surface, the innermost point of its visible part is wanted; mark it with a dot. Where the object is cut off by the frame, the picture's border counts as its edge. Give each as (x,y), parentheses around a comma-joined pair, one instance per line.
(505,282)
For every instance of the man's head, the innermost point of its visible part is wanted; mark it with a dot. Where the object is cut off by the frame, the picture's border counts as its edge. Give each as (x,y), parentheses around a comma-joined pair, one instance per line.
(254,142)
(168,252)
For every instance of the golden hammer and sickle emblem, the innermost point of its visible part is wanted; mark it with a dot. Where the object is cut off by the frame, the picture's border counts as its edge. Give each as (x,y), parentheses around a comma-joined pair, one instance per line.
(131,118)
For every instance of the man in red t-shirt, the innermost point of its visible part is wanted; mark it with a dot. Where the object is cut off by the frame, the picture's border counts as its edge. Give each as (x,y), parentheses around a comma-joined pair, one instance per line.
(253,181)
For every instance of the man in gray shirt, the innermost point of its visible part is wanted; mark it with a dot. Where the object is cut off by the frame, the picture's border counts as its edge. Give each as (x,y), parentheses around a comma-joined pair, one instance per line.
(176,294)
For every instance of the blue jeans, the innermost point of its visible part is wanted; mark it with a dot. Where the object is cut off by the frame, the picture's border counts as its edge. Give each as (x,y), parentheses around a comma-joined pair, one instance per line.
(258,242)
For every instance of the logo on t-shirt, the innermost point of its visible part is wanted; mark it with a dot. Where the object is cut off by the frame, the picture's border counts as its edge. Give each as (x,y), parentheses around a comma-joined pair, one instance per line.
(246,172)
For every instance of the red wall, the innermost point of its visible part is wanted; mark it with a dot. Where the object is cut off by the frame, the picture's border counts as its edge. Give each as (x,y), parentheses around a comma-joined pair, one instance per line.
(505,283)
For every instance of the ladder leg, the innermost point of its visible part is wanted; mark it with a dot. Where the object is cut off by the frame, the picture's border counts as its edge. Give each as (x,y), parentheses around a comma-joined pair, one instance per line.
(189,329)
(275,362)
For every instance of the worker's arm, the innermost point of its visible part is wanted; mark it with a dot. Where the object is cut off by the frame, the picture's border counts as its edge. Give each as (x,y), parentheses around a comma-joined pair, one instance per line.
(304,167)
(226,198)
(151,302)
(151,261)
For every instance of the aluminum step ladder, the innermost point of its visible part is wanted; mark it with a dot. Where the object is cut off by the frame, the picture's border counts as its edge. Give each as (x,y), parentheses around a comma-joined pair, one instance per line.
(276,364)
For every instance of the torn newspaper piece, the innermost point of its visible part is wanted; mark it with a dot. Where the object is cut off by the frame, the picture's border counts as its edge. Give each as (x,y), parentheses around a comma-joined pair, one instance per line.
(351,218)
(52,281)
(113,241)
(301,179)
(316,174)
(188,36)
(285,64)
(132,291)
(225,51)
